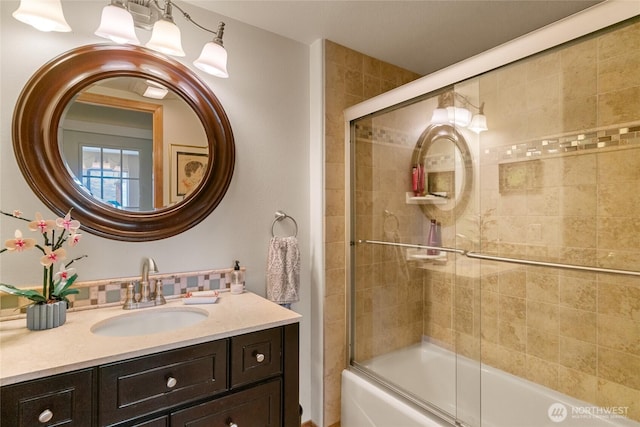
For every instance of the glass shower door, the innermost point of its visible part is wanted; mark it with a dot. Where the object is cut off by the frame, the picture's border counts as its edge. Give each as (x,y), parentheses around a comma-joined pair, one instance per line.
(410,314)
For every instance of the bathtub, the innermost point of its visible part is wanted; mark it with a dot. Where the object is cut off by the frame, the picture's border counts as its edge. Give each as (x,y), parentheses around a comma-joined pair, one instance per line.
(430,374)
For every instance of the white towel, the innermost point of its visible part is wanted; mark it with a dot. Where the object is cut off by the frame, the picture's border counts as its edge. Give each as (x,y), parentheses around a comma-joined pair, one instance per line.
(283,270)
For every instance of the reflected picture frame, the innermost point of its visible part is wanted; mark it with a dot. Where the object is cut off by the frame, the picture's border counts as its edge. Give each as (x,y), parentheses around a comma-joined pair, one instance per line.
(188,164)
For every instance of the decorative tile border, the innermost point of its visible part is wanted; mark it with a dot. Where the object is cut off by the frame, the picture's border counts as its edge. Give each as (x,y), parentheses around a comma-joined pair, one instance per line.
(609,137)
(109,292)
(613,137)
(383,134)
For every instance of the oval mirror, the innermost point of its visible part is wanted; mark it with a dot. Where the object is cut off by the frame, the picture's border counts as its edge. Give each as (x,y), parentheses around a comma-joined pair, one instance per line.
(132,167)
(448,171)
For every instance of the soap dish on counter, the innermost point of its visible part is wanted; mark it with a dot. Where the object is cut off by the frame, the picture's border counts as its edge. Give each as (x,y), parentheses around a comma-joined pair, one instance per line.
(200,297)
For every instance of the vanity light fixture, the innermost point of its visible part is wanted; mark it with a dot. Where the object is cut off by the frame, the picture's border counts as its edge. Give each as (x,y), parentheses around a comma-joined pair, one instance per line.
(479,121)
(118,22)
(460,116)
(165,34)
(44,15)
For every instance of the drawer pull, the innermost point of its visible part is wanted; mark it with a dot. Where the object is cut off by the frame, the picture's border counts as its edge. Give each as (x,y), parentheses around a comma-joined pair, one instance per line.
(232,424)
(45,416)
(260,357)
(171,382)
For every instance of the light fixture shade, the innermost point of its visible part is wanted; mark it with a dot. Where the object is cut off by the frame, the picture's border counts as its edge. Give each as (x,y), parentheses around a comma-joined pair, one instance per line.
(479,123)
(166,38)
(44,15)
(459,116)
(213,60)
(440,116)
(117,25)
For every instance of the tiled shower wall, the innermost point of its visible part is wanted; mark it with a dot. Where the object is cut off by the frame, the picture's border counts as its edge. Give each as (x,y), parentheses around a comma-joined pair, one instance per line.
(559,181)
(350,78)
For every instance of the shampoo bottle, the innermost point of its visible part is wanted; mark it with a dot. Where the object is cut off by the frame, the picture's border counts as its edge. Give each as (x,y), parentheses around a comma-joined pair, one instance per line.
(432,238)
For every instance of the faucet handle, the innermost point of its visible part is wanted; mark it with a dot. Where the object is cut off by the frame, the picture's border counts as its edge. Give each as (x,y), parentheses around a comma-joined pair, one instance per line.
(159,297)
(129,299)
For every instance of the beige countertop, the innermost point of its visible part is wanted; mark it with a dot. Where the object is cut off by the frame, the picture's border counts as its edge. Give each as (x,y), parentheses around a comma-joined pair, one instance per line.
(26,355)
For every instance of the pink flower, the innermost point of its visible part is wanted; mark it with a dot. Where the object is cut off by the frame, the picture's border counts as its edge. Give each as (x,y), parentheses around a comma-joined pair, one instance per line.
(74,238)
(17,213)
(67,223)
(19,244)
(64,274)
(51,257)
(41,225)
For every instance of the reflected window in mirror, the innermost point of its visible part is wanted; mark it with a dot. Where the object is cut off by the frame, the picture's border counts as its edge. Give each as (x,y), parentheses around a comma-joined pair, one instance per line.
(113,176)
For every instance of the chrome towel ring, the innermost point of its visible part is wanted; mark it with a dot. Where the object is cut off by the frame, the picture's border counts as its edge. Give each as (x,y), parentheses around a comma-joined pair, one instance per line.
(281,216)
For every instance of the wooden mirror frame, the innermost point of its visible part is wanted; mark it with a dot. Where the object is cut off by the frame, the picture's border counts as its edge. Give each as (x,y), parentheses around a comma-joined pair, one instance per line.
(35,140)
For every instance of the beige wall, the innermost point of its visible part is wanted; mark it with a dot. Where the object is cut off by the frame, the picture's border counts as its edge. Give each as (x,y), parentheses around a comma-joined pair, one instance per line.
(350,78)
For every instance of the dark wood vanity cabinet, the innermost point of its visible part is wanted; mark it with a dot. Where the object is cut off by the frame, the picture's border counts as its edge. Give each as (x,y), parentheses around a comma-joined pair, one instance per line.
(246,380)
(59,400)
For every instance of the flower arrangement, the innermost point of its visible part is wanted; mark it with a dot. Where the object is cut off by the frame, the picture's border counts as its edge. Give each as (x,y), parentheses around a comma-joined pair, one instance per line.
(56,286)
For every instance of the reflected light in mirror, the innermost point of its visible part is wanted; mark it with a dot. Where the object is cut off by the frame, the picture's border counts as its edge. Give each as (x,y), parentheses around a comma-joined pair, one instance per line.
(440,116)
(478,123)
(451,115)
(460,116)
(44,15)
(150,89)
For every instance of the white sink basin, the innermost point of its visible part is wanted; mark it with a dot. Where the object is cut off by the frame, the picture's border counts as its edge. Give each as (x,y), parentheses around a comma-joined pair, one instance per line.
(146,322)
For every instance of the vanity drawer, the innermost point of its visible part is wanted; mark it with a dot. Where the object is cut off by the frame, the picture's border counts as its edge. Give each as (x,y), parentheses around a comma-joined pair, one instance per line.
(256,407)
(150,383)
(156,422)
(54,401)
(256,356)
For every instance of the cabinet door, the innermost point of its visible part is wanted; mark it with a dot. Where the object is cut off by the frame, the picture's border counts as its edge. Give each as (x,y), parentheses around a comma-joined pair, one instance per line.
(256,407)
(61,400)
(256,356)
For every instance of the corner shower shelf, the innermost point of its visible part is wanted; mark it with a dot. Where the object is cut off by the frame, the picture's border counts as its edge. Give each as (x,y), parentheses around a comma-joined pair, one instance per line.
(421,255)
(410,199)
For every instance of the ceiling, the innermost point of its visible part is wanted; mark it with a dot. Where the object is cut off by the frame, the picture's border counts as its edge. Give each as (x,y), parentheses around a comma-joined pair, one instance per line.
(420,35)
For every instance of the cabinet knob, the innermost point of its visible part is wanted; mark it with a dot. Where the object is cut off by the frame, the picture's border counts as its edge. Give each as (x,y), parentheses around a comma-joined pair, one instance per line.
(171,382)
(45,416)
(260,357)
(232,424)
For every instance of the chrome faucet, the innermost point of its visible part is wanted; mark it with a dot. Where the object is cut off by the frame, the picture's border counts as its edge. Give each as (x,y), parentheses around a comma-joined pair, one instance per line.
(147,297)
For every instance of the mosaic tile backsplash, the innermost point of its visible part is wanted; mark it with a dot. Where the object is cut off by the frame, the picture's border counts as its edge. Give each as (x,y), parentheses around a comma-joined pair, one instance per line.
(109,292)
